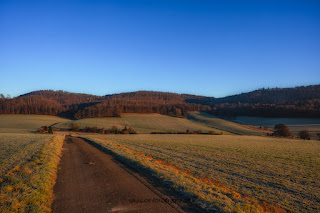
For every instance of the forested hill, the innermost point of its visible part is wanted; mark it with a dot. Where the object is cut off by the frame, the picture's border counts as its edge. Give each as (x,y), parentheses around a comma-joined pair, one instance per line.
(77,105)
(65,98)
(301,101)
(276,102)
(142,102)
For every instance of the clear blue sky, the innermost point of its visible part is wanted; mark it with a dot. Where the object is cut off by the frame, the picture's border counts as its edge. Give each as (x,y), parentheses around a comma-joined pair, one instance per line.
(213,48)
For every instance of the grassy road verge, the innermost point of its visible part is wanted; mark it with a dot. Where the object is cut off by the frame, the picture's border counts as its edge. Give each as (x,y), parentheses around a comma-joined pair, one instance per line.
(28,187)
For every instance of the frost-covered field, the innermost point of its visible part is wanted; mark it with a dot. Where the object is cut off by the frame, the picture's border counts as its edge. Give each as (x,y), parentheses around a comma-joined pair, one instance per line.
(231,172)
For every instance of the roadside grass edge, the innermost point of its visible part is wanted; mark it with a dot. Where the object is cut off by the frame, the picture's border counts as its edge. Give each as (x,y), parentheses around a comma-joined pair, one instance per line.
(29,187)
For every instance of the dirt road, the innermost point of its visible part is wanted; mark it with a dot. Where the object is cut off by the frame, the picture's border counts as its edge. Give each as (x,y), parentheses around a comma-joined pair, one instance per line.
(90,180)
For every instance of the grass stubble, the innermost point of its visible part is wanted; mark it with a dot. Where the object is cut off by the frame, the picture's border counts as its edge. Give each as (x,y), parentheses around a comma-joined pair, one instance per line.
(28,186)
(228,173)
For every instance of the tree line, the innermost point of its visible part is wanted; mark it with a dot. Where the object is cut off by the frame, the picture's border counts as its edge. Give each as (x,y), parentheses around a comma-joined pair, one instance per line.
(276,102)
(281,130)
(115,106)
(65,104)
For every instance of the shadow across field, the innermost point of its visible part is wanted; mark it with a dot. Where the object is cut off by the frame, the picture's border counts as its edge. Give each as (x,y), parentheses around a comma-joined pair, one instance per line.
(221,124)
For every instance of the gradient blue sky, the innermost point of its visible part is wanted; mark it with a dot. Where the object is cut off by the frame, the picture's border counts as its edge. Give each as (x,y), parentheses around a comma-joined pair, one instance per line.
(213,48)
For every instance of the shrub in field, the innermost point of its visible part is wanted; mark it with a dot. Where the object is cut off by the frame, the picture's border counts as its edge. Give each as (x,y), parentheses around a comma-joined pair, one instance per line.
(281,130)
(41,131)
(74,127)
(114,130)
(304,134)
(125,132)
(132,131)
(94,129)
(102,131)
(50,131)
(213,133)
(198,132)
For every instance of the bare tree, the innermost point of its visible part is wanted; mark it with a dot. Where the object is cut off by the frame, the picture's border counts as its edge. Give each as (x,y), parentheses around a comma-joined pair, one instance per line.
(281,130)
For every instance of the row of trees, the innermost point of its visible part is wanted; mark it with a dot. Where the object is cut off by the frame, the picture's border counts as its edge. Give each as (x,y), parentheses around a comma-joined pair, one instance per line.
(45,129)
(171,104)
(307,108)
(281,130)
(267,96)
(2,96)
(114,109)
(195,132)
(141,102)
(30,105)
(113,130)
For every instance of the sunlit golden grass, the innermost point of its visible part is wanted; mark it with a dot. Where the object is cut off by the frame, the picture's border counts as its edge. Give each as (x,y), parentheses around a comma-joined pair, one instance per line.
(28,185)
(231,173)
(16,149)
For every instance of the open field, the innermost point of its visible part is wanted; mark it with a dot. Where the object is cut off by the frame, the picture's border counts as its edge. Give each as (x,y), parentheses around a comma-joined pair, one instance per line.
(26,123)
(233,173)
(16,149)
(142,123)
(28,165)
(295,124)
(218,123)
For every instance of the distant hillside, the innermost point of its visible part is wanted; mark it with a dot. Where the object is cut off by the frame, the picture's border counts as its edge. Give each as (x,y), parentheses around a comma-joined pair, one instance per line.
(301,101)
(277,102)
(165,103)
(76,105)
(65,98)
(32,104)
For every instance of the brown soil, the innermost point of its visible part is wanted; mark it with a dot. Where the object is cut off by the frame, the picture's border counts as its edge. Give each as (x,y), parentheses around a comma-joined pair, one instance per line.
(90,180)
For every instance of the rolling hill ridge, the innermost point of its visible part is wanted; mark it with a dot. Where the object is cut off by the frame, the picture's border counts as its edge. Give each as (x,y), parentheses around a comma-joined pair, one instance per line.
(303,101)
(76,105)
(276,102)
